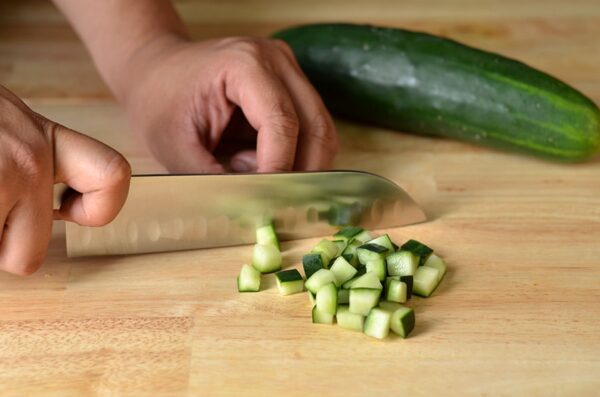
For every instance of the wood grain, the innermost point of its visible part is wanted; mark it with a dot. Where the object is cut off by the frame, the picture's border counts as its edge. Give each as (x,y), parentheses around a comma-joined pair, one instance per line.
(517,314)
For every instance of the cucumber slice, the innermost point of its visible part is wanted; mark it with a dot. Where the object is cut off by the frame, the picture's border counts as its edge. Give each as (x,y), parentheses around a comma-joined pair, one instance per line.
(402,263)
(348,320)
(363,236)
(342,270)
(311,264)
(328,250)
(311,298)
(289,282)
(350,252)
(409,281)
(319,279)
(417,248)
(326,301)
(348,233)
(389,306)
(341,246)
(384,241)
(378,323)
(396,291)
(438,263)
(265,235)
(249,279)
(390,278)
(402,321)
(321,318)
(425,280)
(362,300)
(343,296)
(377,266)
(266,258)
(367,280)
(360,271)
(370,252)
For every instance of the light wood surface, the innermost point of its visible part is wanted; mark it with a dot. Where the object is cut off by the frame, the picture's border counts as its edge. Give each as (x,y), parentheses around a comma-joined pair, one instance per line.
(517,314)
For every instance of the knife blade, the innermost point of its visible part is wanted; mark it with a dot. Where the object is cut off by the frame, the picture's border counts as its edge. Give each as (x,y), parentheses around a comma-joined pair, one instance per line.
(181,212)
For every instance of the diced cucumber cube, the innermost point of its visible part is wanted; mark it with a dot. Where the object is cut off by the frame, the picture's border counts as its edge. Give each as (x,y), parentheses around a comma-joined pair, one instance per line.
(370,252)
(438,263)
(408,280)
(425,280)
(289,282)
(348,320)
(402,263)
(377,323)
(266,258)
(367,280)
(319,279)
(417,248)
(384,241)
(377,266)
(249,279)
(265,235)
(341,246)
(311,298)
(328,250)
(348,233)
(342,270)
(321,318)
(402,321)
(396,291)
(326,301)
(311,264)
(362,300)
(363,236)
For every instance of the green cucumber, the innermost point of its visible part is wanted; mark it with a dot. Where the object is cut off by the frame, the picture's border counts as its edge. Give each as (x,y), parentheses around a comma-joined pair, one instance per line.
(396,291)
(402,263)
(289,282)
(378,323)
(266,258)
(425,280)
(348,233)
(377,266)
(327,249)
(362,300)
(249,279)
(417,82)
(319,279)
(343,296)
(384,241)
(417,248)
(348,320)
(367,280)
(438,263)
(350,252)
(342,270)
(326,300)
(311,264)
(266,235)
(321,318)
(402,320)
(369,252)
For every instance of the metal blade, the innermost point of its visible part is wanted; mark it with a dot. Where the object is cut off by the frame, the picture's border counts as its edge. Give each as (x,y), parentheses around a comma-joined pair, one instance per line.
(180,212)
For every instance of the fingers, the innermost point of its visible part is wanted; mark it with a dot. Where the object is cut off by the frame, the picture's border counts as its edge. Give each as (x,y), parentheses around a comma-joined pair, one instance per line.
(270,110)
(244,161)
(98,174)
(317,140)
(181,157)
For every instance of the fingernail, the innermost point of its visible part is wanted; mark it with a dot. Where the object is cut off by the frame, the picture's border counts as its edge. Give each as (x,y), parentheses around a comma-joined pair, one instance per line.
(240,165)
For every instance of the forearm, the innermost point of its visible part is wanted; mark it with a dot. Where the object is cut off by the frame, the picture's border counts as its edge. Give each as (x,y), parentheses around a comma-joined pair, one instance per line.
(114,31)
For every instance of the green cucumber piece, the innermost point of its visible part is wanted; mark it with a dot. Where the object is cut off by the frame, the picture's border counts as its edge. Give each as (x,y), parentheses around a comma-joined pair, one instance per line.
(311,264)
(402,263)
(377,266)
(370,252)
(266,235)
(319,279)
(327,247)
(409,281)
(342,270)
(360,271)
(249,279)
(396,291)
(438,263)
(362,300)
(418,82)
(341,246)
(311,298)
(367,280)
(348,320)
(417,248)
(321,318)
(425,280)
(378,323)
(402,321)
(343,296)
(266,258)
(363,236)
(326,300)
(384,241)
(350,252)
(348,233)
(390,306)
(289,282)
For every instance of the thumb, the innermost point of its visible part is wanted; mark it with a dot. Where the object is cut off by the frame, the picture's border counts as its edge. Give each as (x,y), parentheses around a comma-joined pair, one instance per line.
(97,175)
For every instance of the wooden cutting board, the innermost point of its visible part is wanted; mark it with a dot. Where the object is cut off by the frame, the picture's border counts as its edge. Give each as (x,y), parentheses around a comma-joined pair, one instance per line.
(517,314)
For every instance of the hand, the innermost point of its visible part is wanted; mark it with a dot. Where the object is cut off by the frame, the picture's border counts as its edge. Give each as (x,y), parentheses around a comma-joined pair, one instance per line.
(181,96)
(34,154)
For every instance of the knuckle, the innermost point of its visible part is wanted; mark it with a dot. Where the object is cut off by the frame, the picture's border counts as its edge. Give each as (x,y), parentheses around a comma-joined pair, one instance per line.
(322,130)
(285,122)
(31,159)
(117,170)
(284,46)
(251,48)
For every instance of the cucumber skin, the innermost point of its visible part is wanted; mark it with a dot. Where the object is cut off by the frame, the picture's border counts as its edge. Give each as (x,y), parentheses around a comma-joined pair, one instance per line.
(421,83)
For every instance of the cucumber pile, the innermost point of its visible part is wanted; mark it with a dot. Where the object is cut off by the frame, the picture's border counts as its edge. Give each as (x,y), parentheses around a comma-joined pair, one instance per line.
(355,279)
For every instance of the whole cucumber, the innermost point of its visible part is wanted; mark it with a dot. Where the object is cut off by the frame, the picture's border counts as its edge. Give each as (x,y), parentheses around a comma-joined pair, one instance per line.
(421,83)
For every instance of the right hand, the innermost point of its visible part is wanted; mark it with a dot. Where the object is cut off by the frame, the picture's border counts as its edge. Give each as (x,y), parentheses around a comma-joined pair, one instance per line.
(36,153)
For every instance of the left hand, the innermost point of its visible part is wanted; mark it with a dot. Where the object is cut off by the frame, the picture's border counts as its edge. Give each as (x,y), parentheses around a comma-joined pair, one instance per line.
(181,96)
